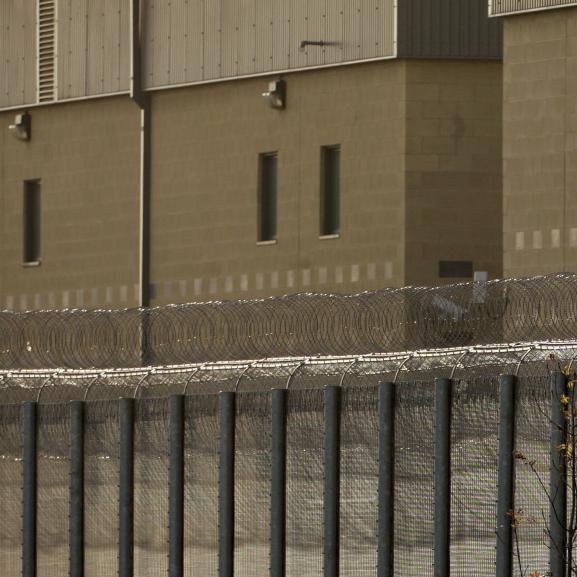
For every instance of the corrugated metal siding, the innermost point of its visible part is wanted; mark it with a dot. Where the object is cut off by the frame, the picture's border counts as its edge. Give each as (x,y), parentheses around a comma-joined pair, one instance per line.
(93,47)
(448,29)
(500,7)
(17,52)
(213,39)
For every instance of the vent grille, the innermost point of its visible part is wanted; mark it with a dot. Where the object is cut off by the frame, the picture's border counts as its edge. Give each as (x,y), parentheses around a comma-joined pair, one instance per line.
(46,50)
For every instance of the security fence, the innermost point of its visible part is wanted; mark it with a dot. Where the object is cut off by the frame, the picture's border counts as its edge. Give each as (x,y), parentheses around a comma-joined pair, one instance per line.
(414,479)
(59,385)
(462,315)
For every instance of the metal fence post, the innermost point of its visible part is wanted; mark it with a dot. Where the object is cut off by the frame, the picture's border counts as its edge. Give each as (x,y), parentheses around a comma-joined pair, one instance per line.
(386,546)
(176,488)
(442,477)
(557,479)
(278,484)
(226,484)
(126,489)
(29,488)
(332,477)
(506,465)
(76,526)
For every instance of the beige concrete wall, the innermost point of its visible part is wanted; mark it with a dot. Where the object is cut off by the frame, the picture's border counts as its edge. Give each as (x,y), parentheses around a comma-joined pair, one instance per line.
(206,142)
(453,164)
(87,156)
(419,150)
(540,143)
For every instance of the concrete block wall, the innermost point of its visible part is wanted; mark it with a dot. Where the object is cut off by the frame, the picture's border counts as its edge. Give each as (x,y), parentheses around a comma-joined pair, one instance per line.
(204,176)
(420,170)
(453,167)
(87,157)
(540,143)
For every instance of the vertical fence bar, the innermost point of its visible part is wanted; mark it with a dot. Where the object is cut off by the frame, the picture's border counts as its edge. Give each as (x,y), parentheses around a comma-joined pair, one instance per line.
(176,488)
(505,475)
(442,477)
(386,549)
(29,488)
(332,477)
(76,525)
(557,479)
(278,484)
(226,485)
(126,489)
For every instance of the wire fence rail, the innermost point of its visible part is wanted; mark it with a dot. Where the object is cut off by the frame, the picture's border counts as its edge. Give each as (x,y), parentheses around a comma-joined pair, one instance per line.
(387,320)
(413,478)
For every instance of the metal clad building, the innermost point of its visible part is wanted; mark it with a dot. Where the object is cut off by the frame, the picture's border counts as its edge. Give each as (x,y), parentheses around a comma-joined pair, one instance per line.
(235,39)
(93,47)
(196,41)
(448,29)
(503,7)
(18,64)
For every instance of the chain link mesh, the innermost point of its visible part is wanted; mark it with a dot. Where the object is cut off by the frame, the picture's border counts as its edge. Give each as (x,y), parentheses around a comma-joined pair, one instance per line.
(53,467)
(10,489)
(474,465)
(151,422)
(201,486)
(101,438)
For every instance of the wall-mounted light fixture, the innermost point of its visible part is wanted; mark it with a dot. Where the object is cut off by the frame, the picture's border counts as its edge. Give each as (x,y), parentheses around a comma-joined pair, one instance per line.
(276,95)
(22,126)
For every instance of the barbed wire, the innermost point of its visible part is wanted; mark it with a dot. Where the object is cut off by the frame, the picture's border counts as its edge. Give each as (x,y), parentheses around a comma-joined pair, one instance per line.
(534,359)
(461,315)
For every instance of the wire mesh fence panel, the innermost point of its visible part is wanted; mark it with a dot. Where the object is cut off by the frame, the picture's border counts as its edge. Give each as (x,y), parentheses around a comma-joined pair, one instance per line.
(53,467)
(151,487)
(252,484)
(201,463)
(359,481)
(414,470)
(532,439)
(101,438)
(304,489)
(474,442)
(10,489)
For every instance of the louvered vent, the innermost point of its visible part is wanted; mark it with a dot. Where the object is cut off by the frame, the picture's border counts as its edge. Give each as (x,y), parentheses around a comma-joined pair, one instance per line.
(46,49)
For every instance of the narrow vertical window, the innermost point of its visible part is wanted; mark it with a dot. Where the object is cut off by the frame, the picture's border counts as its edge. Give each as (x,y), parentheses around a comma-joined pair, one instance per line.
(330,190)
(31,221)
(267,197)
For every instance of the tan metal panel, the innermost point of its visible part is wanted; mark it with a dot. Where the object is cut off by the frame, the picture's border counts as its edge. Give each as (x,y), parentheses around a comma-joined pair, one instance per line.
(371,26)
(334,52)
(17,53)
(72,48)
(111,53)
(159,16)
(27,35)
(212,39)
(352,44)
(194,45)
(148,43)
(63,49)
(230,14)
(246,48)
(7,22)
(298,33)
(281,15)
(500,7)
(264,39)
(316,31)
(124,46)
(177,40)
(95,43)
